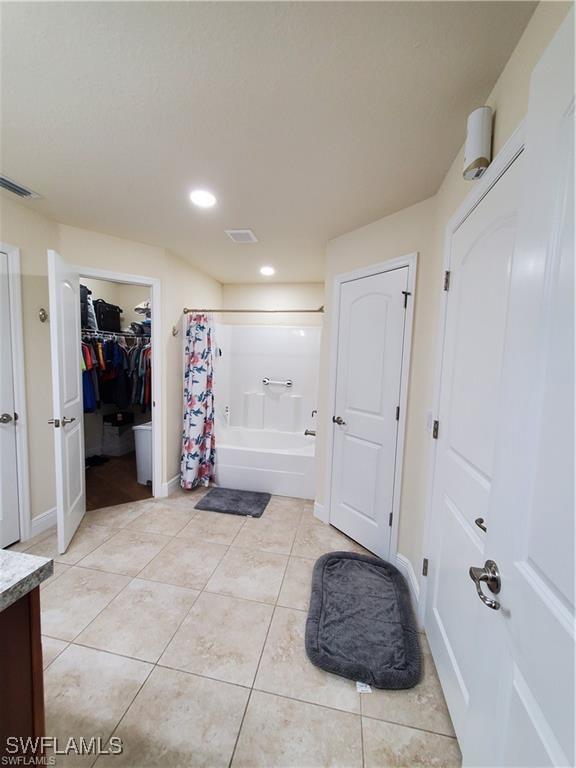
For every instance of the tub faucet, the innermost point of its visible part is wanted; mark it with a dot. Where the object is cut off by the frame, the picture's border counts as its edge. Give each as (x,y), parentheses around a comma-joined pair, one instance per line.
(310,432)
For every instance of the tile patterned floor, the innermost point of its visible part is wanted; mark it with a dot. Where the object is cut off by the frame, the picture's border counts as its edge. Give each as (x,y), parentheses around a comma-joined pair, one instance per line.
(182,632)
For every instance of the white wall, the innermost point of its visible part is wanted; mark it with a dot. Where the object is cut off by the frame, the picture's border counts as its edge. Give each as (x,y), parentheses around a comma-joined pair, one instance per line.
(251,353)
(33,234)
(410,230)
(421,228)
(273,296)
(181,285)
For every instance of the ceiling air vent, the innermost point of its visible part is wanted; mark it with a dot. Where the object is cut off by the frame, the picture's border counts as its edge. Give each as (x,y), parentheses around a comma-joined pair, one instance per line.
(17,189)
(241,235)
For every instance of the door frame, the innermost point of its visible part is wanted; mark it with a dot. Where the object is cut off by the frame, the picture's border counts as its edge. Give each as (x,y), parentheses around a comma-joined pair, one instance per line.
(19,379)
(511,150)
(159,488)
(411,261)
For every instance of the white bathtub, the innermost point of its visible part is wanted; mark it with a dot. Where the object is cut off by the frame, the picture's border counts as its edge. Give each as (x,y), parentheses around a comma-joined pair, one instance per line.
(282,463)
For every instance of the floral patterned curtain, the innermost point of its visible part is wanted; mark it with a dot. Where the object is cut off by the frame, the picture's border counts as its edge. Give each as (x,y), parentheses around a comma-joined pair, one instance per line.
(198,447)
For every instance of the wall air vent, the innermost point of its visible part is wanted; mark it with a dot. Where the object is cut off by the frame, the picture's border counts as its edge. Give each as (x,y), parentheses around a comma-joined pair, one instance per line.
(241,235)
(17,189)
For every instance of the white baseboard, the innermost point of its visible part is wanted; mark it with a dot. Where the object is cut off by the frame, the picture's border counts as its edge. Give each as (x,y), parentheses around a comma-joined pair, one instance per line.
(166,489)
(320,512)
(405,567)
(42,522)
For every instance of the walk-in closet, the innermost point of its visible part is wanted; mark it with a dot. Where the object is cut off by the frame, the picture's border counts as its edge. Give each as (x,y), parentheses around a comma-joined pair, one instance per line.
(116,320)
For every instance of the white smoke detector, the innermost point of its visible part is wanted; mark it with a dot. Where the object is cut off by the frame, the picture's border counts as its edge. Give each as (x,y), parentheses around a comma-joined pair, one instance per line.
(241,235)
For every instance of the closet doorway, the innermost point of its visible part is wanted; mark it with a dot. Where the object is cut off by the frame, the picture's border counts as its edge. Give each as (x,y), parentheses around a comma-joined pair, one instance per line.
(68,359)
(116,320)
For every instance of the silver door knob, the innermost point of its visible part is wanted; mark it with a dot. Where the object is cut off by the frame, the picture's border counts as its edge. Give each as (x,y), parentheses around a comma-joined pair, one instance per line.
(6,418)
(490,575)
(338,420)
(66,420)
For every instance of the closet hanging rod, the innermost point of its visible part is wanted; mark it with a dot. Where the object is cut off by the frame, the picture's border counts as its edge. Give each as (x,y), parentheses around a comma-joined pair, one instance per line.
(127,334)
(320,310)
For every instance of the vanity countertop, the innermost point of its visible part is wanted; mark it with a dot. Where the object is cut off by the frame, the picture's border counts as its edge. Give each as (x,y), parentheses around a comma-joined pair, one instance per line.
(21,573)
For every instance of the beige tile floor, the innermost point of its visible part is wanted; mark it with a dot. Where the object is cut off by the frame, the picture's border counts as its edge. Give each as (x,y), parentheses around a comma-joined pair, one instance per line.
(182,632)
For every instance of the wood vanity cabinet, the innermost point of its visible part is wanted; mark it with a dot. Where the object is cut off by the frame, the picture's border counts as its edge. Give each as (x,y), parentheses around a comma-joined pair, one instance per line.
(21,674)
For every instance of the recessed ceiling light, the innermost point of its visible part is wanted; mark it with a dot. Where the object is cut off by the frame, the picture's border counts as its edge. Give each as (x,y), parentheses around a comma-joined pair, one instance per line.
(267,271)
(202,198)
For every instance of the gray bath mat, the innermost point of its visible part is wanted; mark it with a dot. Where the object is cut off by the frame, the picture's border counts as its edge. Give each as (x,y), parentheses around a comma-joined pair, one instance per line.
(360,621)
(234,502)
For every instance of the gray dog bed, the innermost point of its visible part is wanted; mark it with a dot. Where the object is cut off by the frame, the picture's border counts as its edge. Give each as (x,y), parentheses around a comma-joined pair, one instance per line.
(360,621)
(234,502)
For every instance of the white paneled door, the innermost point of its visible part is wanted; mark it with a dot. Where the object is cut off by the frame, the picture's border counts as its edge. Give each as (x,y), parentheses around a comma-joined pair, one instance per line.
(9,516)
(68,411)
(500,605)
(481,255)
(372,319)
(523,695)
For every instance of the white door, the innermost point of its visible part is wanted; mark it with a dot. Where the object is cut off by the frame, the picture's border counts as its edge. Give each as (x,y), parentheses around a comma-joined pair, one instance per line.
(68,414)
(524,697)
(477,302)
(9,515)
(369,369)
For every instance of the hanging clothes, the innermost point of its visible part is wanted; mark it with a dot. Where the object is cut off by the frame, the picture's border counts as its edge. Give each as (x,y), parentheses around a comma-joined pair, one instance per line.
(140,375)
(115,374)
(198,446)
(88,392)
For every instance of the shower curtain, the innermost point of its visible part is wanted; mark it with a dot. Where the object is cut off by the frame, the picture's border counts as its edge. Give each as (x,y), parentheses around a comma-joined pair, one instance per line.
(198,447)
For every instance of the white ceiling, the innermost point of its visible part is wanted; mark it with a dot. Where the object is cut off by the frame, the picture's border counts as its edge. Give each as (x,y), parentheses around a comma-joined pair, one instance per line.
(305,119)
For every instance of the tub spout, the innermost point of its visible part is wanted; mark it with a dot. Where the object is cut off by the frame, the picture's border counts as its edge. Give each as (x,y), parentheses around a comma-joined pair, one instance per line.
(310,432)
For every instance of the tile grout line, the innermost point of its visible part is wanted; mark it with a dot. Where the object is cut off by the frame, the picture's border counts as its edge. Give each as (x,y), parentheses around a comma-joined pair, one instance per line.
(411,727)
(254,679)
(152,665)
(259,662)
(240,728)
(87,568)
(132,700)
(227,548)
(253,688)
(362,732)
(132,578)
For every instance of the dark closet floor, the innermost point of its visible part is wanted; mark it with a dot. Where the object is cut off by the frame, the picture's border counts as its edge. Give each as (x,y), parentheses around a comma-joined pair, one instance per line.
(114,483)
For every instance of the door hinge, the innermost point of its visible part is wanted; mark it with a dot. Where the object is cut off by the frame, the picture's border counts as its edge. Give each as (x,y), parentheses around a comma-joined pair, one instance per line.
(406,294)
(397,413)
(390,519)
(425,567)
(435,427)
(447,280)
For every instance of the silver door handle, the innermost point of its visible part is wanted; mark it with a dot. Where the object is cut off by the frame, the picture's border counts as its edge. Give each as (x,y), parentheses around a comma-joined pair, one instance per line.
(6,418)
(338,420)
(66,420)
(491,576)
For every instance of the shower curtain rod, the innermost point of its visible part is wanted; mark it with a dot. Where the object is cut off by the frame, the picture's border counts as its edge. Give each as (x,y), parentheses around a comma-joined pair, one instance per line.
(320,310)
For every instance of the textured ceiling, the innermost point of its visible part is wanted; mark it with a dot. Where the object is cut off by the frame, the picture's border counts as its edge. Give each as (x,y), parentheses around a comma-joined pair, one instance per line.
(305,119)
